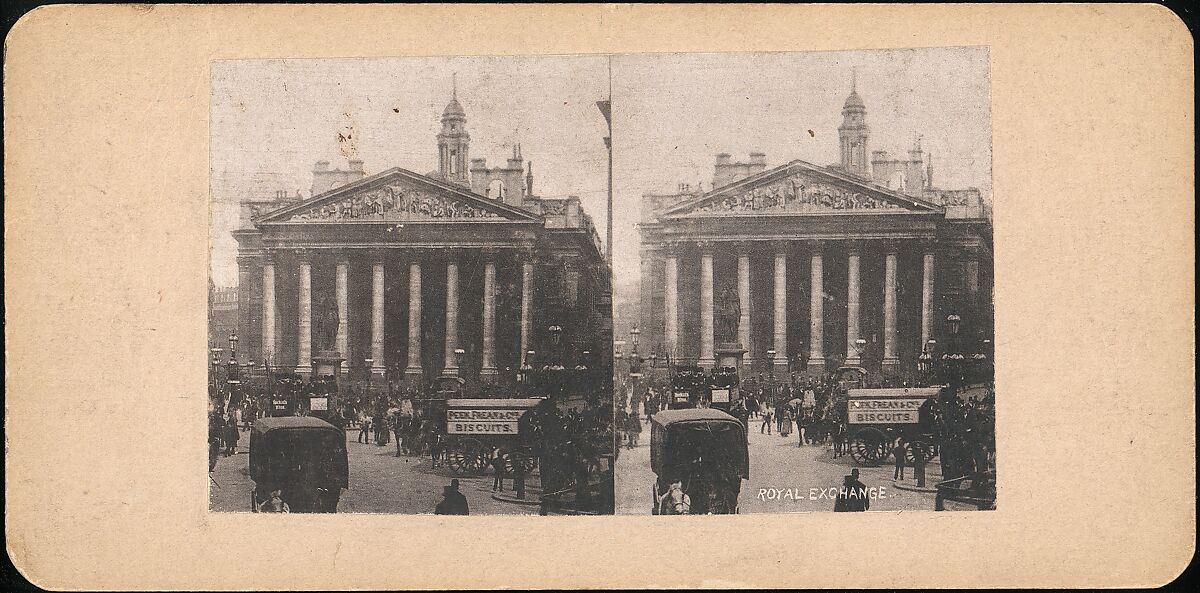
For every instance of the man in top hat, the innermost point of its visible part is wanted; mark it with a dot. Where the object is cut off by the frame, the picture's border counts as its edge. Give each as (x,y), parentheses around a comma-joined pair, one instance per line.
(453,501)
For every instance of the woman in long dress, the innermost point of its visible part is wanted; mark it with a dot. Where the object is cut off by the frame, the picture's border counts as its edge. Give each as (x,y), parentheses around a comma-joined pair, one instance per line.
(785,426)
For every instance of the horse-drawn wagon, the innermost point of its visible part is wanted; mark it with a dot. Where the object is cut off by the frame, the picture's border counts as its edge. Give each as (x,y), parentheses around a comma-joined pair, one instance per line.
(699,457)
(875,418)
(475,426)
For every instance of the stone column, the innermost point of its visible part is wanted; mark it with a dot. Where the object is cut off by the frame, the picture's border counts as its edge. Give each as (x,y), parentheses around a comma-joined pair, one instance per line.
(891,361)
(816,317)
(243,318)
(488,370)
(744,301)
(671,313)
(926,294)
(341,277)
(451,363)
(268,312)
(304,336)
(412,370)
(378,366)
(780,362)
(707,358)
(526,303)
(853,356)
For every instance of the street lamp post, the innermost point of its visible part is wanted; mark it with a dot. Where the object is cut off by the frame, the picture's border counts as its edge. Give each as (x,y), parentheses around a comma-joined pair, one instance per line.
(233,377)
(370,364)
(771,356)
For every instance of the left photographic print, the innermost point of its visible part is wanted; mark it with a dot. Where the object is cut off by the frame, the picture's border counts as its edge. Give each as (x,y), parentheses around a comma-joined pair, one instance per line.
(404,315)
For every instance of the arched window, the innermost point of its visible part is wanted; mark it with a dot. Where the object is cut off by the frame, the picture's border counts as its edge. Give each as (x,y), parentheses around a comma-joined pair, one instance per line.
(495,189)
(454,161)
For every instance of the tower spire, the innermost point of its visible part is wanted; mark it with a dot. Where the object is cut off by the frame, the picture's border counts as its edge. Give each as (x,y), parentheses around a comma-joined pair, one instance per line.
(853,79)
(453,85)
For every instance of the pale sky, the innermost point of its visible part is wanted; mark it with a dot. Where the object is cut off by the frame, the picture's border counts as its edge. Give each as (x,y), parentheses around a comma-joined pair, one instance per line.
(672,113)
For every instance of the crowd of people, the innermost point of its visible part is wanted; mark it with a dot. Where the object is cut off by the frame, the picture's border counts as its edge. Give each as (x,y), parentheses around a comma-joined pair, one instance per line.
(812,407)
(570,444)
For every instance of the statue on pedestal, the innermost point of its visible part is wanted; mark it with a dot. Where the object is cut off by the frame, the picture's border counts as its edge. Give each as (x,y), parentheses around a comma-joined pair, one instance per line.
(326,315)
(729,315)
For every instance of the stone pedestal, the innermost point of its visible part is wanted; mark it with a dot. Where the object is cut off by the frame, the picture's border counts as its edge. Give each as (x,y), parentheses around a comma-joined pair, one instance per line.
(328,362)
(731,354)
(728,354)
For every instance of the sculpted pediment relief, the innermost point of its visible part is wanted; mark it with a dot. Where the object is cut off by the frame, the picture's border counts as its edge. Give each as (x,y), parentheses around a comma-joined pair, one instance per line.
(394,201)
(796,193)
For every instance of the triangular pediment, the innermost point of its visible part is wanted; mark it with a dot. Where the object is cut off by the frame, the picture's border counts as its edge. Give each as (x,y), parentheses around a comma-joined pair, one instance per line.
(800,188)
(398,195)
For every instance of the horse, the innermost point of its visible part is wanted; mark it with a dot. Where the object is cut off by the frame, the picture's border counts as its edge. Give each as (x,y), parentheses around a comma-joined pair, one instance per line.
(675,501)
(839,438)
(437,448)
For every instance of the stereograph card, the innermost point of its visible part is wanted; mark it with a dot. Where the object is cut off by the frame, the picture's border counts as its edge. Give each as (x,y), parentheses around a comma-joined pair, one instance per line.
(569,272)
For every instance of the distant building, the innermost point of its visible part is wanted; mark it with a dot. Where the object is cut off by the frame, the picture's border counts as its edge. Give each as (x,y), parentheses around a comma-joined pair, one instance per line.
(805,260)
(222,315)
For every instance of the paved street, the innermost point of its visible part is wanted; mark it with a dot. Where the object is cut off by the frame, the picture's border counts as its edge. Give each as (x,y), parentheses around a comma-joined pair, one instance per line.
(797,475)
(380,482)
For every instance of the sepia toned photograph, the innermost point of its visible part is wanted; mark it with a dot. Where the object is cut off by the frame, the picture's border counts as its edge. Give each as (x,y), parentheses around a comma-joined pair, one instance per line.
(606,262)
(811,325)
(405,315)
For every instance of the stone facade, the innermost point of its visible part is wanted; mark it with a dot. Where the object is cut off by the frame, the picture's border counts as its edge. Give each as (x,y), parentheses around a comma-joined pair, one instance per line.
(398,272)
(813,259)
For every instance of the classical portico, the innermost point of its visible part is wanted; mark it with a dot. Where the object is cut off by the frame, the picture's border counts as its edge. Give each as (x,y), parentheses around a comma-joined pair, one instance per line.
(822,265)
(418,276)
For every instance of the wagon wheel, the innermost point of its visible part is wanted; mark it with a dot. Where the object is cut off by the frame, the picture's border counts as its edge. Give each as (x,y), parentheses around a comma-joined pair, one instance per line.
(522,455)
(466,457)
(910,452)
(869,447)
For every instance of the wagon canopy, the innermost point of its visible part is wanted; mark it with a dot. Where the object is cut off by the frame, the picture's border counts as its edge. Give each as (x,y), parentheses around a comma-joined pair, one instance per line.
(497,402)
(678,436)
(294,447)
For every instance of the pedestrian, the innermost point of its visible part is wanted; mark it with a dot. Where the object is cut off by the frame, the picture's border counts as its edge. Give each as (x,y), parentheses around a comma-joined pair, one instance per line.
(453,502)
(364,428)
(231,435)
(380,429)
(768,419)
(898,453)
(635,430)
(785,423)
(497,463)
(852,497)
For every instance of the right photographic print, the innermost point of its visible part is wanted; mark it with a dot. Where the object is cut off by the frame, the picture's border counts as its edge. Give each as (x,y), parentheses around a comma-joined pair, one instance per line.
(810,327)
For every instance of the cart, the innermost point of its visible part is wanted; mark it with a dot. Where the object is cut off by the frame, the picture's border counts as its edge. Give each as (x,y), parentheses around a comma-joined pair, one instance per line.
(475,426)
(876,417)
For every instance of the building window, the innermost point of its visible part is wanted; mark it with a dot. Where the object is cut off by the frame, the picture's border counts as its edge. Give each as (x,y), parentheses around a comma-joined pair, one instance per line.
(495,189)
(454,161)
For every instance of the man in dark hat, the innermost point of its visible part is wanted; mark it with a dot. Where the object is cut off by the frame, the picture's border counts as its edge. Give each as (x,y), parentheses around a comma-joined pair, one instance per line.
(453,501)
(852,497)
